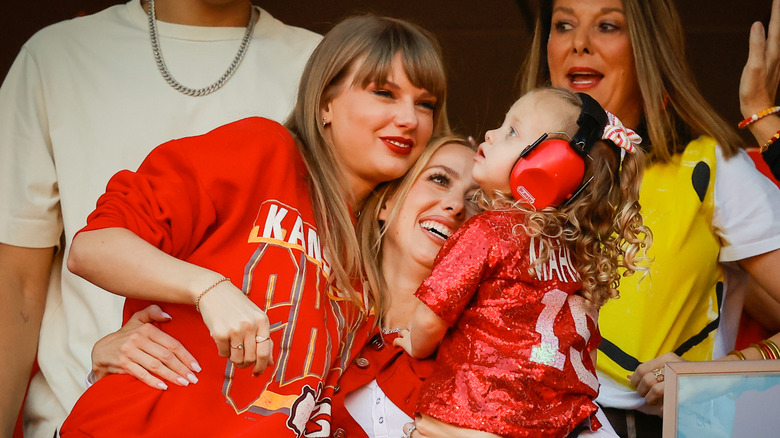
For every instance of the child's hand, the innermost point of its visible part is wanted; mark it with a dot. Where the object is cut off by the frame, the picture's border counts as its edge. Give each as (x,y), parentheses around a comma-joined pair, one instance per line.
(404,340)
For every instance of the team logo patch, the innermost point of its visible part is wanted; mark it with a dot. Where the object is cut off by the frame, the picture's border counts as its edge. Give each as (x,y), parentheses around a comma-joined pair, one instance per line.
(310,416)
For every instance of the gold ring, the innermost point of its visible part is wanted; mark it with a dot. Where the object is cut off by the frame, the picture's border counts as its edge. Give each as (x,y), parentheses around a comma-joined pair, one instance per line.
(240,346)
(260,339)
(659,374)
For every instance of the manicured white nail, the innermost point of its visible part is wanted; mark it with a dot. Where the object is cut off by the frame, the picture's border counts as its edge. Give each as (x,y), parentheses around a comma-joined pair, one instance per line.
(167,316)
(192,378)
(162,386)
(195,367)
(182,381)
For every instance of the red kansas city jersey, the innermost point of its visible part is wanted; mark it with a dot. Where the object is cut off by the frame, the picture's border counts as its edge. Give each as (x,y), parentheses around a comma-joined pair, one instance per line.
(236,201)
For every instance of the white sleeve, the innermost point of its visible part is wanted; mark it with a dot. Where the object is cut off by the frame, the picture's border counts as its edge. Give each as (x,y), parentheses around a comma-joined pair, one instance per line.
(29,196)
(746,216)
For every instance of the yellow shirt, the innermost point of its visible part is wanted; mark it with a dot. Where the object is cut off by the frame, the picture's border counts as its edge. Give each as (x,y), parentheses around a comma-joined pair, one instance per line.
(677,307)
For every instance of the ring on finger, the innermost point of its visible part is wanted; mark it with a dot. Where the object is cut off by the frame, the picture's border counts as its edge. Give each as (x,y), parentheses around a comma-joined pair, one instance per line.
(260,339)
(659,374)
(240,346)
(408,434)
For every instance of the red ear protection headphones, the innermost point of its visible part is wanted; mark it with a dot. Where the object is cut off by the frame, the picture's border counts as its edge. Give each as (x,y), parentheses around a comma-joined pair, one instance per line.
(550,171)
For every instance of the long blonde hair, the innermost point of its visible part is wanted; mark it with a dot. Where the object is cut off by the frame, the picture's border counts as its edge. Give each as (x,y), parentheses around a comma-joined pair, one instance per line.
(602,226)
(371,231)
(674,111)
(369,44)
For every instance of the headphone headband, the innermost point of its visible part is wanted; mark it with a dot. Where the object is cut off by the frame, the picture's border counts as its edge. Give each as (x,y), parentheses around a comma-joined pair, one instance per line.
(591,122)
(550,171)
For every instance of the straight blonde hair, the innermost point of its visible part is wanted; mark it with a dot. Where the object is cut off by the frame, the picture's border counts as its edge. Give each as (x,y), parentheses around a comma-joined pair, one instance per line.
(368,44)
(674,111)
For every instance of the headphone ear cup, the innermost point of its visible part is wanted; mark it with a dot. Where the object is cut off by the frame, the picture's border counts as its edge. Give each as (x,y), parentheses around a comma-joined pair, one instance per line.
(548,175)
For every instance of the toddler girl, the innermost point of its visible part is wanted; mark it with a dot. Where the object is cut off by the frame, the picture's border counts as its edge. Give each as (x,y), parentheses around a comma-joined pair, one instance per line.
(516,290)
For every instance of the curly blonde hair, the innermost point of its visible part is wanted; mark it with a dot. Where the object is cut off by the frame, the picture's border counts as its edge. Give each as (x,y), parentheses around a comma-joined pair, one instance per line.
(602,226)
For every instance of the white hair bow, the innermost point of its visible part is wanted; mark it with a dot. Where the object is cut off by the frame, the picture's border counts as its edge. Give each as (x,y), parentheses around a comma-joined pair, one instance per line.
(624,138)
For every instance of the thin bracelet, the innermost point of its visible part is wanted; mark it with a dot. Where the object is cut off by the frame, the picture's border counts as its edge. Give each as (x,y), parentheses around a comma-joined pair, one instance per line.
(758,116)
(774,346)
(197,300)
(737,353)
(760,350)
(770,142)
(767,351)
(773,349)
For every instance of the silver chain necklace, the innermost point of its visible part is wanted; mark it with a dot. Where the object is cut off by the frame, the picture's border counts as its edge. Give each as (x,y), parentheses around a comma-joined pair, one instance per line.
(391,331)
(158,57)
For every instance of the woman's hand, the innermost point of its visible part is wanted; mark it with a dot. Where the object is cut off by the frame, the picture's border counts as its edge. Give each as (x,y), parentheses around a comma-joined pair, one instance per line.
(240,329)
(142,350)
(429,427)
(760,76)
(648,379)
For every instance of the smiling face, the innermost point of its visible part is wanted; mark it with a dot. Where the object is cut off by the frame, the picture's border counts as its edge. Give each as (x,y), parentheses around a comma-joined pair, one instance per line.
(531,116)
(589,51)
(378,131)
(437,204)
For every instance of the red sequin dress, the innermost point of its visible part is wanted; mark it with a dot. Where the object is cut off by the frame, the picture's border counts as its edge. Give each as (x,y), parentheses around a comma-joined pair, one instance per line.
(516,361)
